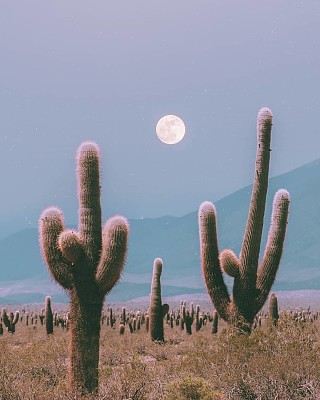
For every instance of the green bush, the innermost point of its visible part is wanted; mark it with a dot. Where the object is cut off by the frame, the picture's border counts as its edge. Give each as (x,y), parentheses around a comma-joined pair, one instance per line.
(191,388)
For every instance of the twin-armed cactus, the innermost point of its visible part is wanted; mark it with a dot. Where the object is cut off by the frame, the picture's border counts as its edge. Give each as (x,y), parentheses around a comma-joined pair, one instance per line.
(10,320)
(252,282)
(87,263)
(157,310)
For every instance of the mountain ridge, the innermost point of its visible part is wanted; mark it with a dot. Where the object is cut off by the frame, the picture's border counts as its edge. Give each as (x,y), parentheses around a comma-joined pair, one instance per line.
(176,241)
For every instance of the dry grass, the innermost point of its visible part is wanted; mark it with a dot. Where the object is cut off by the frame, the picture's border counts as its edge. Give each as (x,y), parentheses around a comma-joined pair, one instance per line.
(282,363)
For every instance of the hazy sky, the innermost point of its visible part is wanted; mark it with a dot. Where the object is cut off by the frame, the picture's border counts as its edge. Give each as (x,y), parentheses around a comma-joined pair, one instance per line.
(107,71)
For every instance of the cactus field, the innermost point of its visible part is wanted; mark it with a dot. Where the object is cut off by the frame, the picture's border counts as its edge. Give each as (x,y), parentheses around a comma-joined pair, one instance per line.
(281,361)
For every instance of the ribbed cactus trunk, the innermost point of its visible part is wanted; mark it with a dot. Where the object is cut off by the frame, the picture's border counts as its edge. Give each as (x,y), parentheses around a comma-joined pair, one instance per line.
(156,309)
(87,264)
(85,333)
(252,283)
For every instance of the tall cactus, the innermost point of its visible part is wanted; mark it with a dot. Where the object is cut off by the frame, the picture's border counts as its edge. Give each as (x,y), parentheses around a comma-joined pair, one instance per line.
(252,283)
(157,310)
(87,264)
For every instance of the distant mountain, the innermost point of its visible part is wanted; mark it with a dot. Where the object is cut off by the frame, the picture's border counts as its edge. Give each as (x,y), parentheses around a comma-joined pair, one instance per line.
(176,241)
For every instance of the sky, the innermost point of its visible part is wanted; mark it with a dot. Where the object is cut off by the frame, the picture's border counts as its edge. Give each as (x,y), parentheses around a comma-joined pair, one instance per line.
(108,71)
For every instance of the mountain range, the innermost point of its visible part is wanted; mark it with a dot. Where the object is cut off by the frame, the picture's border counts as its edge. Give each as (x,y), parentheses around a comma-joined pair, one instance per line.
(25,279)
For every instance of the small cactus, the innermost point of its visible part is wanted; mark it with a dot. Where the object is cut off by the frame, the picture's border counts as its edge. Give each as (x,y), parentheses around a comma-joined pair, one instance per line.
(157,310)
(215,322)
(198,323)
(138,323)
(182,312)
(147,323)
(42,316)
(48,315)
(121,328)
(123,316)
(171,321)
(134,322)
(10,321)
(188,322)
(111,318)
(273,310)
(192,310)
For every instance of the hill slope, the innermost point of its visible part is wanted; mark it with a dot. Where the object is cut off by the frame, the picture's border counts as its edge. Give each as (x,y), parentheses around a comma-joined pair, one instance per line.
(176,241)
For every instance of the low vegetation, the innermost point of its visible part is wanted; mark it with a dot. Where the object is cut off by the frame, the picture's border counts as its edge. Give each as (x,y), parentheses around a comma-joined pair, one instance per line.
(281,362)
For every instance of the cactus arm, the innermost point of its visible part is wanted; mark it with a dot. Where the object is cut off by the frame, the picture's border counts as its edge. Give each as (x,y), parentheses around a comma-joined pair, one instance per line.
(250,249)
(271,259)
(51,225)
(70,246)
(88,167)
(15,318)
(113,255)
(229,263)
(5,318)
(210,263)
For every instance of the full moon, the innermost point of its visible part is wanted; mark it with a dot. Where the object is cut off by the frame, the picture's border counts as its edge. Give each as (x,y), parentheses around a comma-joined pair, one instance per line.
(170,129)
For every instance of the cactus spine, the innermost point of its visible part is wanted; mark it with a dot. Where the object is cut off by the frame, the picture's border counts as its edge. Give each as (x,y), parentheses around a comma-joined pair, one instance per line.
(87,264)
(252,283)
(157,310)
(48,315)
